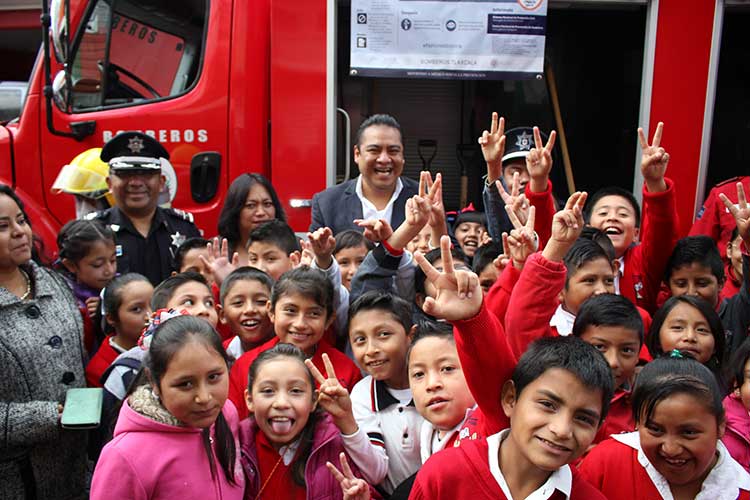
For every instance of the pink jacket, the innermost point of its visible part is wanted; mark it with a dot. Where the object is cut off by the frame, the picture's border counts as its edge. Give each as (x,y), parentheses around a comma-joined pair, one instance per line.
(737,435)
(327,444)
(147,459)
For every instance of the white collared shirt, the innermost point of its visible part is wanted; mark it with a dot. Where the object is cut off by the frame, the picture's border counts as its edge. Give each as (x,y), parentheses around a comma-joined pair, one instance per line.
(722,483)
(429,436)
(620,272)
(563,321)
(369,211)
(561,479)
(234,348)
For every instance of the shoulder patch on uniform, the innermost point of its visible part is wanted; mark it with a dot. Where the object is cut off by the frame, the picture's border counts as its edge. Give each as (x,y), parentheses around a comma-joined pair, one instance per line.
(183,214)
(733,179)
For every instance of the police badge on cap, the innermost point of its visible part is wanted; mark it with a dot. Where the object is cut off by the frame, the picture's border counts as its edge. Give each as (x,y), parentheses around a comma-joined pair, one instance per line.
(519,141)
(133,151)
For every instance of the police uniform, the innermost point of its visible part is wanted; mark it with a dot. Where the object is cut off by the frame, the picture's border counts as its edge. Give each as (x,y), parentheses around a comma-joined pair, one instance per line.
(153,255)
(714,219)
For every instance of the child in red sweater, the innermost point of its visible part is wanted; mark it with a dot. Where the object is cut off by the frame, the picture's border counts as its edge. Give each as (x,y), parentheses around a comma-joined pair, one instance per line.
(301,309)
(676,451)
(555,400)
(126,310)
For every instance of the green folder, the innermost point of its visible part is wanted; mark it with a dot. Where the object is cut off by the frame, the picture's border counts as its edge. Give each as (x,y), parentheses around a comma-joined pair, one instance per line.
(83,408)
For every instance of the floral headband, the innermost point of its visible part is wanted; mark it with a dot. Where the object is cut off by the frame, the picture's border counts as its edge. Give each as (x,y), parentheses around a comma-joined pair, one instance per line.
(157,318)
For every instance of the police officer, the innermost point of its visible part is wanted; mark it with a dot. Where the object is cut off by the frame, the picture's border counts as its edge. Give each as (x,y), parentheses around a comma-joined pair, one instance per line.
(147,235)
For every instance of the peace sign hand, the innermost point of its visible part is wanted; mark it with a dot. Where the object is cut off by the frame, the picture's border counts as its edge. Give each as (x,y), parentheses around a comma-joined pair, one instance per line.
(518,202)
(522,241)
(433,192)
(333,397)
(353,487)
(539,161)
(458,296)
(502,260)
(740,212)
(567,225)
(493,148)
(654,160)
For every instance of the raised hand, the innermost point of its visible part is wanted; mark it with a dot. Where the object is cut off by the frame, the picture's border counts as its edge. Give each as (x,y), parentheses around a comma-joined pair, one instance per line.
(417,212)
(353,487)
(493,148)
(306,256)
(567,225)
(539,161)
(522,241)
(322,244)
(517,202)
(459,295)
(740,212)
(218,261)
(376,230)
(333,397)
(654,160)
(433,191)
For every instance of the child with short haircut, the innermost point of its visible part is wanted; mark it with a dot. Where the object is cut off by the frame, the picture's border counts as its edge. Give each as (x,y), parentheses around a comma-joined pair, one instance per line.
(733,267)
(301,309)
(468,229)
(188,258)
(676,451)
(351,249)
(244,296)
(695,268)
(126,307)
(570,378)
(273,248)
(611,324)
(484,266)
(616,212)
(737,406)
(380,329)
(88,262)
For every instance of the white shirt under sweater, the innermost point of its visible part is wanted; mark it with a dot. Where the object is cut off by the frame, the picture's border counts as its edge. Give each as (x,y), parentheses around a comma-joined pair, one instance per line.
(392,424)
(369,211)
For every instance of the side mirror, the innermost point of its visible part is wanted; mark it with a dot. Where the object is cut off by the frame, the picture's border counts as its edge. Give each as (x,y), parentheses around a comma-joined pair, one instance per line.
(60,91)
(59,29)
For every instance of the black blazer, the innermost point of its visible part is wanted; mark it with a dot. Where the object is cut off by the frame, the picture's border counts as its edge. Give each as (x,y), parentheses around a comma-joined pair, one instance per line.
(337,206)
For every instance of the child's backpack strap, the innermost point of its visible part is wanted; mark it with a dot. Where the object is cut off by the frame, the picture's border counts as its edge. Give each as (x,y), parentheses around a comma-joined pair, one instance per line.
(132,363)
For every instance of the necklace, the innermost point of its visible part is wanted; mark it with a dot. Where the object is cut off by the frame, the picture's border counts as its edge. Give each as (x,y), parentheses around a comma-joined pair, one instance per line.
(268,479)
(27,294)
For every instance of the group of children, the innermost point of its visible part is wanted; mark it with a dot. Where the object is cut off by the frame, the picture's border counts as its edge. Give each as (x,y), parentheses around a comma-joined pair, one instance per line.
(582,353)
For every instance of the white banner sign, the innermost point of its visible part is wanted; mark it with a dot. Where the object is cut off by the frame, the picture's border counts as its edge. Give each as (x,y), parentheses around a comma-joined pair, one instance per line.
(455,39)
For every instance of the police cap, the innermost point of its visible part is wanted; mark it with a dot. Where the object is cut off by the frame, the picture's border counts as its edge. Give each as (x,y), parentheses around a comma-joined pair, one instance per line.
(133,151)
(518,142)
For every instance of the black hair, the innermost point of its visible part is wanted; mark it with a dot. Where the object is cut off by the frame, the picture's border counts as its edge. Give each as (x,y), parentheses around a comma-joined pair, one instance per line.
(112,296)
(470,216)
(572,355)
(667,376)
(38,253)
(613,191)
(351,239)
(432,256)
(735,234)
(736,367)
(234,202)
(486,255)
(700,250)
(244,273)
(171,336)
(430,328)
(283,350)
(76,238)
(278,233)
(187,245)
(582,252)
(653,341)
(608,309)
(381,300)
(379,119)
(308,282)
(164,291)
(600,237)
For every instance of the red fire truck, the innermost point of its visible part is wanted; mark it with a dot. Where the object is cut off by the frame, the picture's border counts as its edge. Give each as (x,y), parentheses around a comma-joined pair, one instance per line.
(230,86)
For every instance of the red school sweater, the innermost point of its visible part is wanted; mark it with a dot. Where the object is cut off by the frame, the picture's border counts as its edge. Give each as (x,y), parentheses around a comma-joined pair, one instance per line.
(498,296)
(646,262)
(464,473)
(104,357)
(346,371)
(613,468)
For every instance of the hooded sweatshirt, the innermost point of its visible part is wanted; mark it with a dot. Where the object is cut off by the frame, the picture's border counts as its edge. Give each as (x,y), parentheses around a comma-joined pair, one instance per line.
(154,456)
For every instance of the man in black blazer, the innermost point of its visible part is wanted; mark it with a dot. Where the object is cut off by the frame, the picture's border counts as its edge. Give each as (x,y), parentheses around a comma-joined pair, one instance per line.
(379,192)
